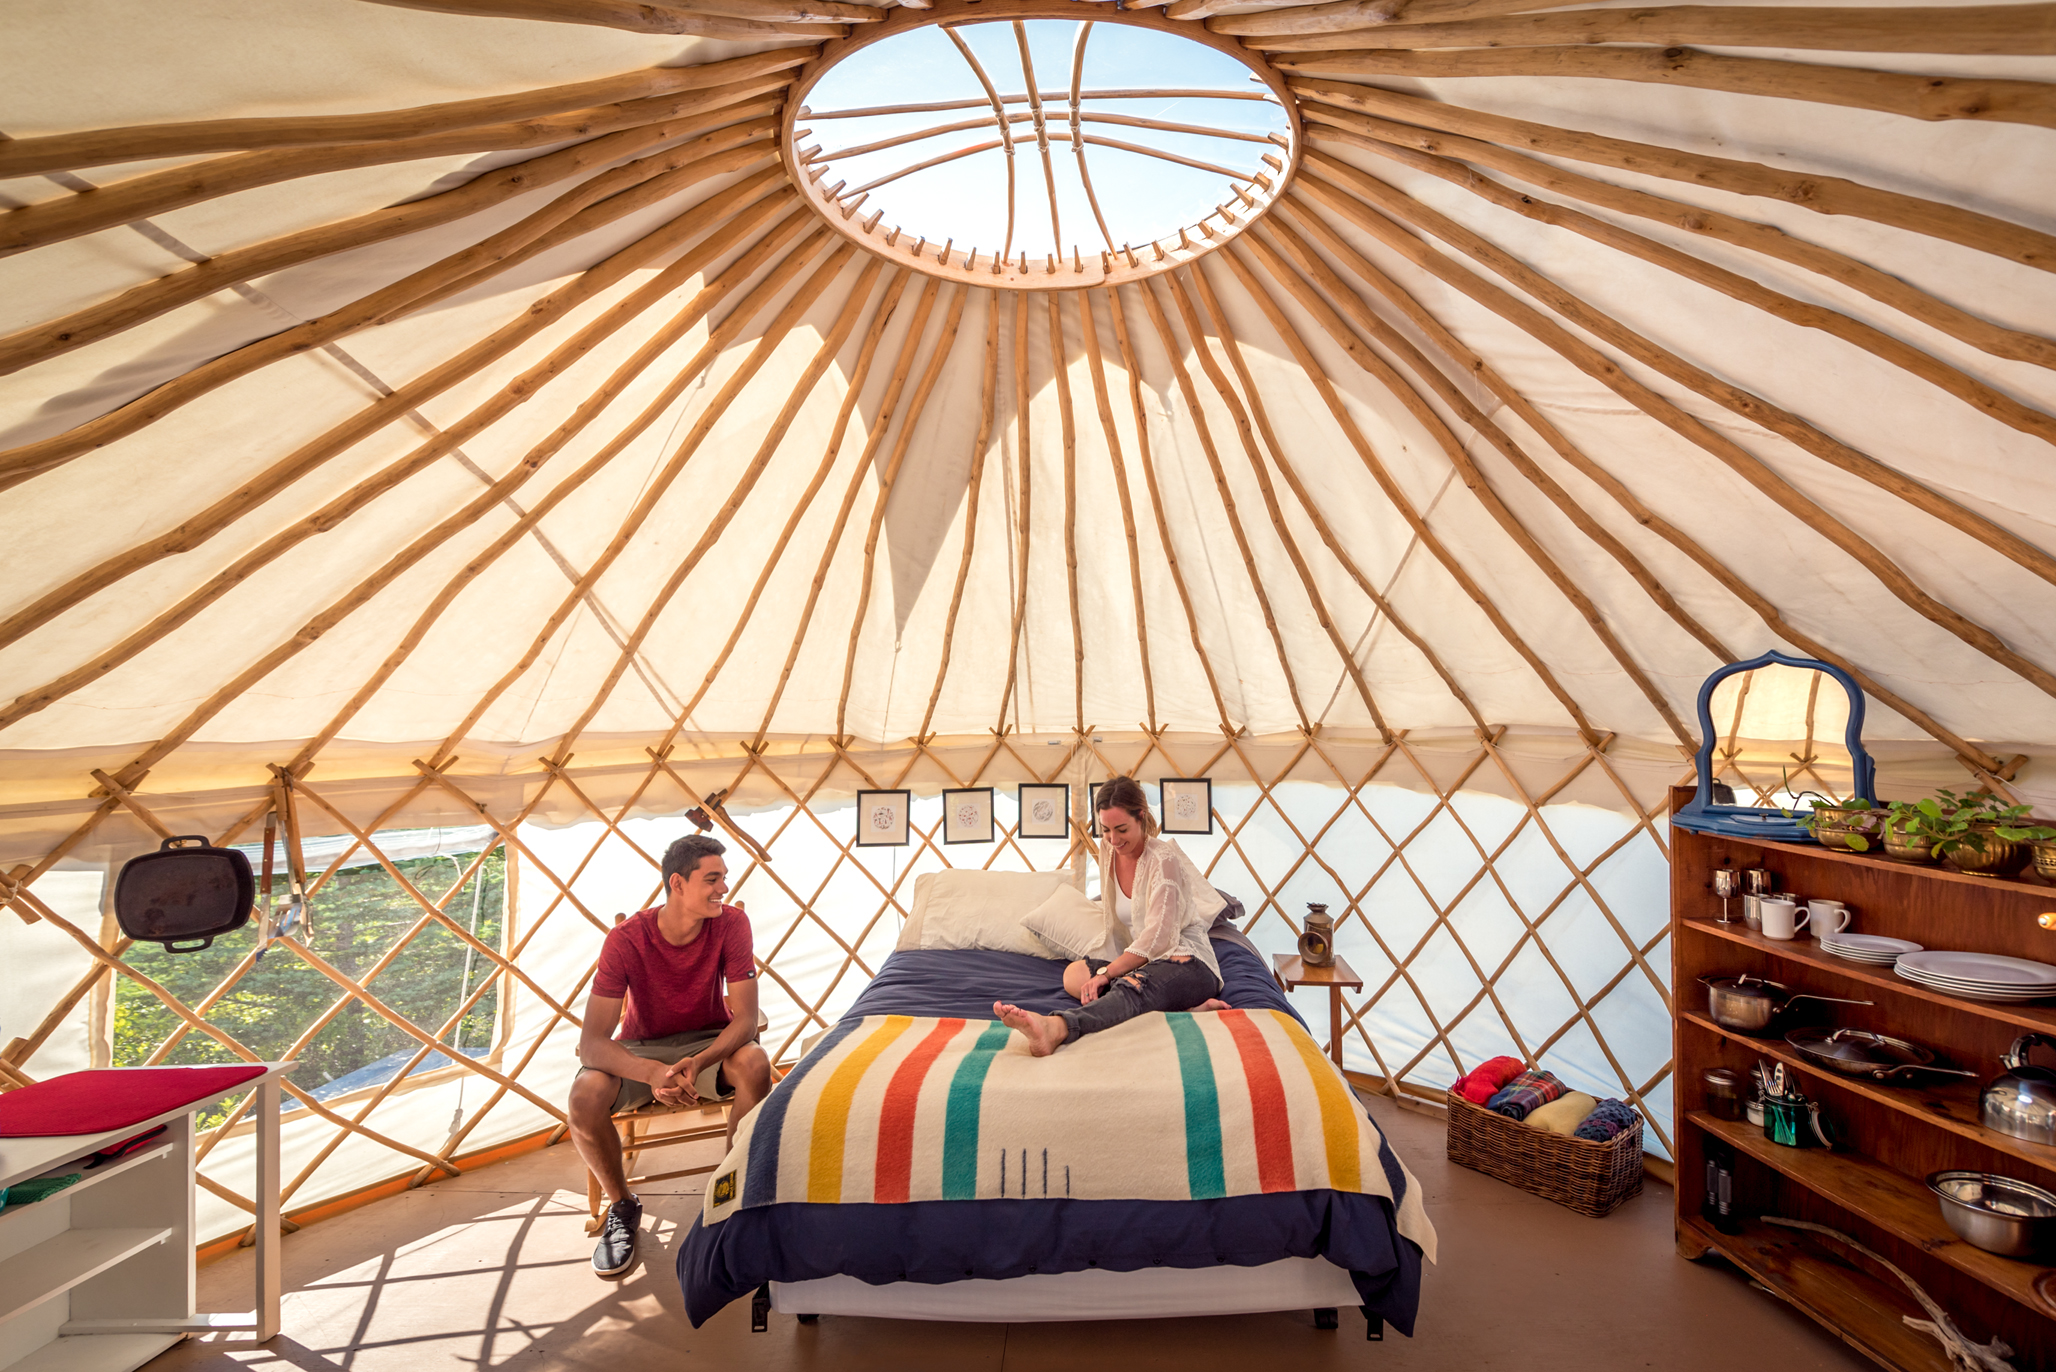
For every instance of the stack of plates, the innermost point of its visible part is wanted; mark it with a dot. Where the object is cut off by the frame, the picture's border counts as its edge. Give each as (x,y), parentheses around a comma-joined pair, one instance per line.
(1870,948)
(1980,976)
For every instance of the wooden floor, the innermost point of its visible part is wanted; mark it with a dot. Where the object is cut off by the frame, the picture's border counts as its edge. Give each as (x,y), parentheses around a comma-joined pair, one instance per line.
(492,1269)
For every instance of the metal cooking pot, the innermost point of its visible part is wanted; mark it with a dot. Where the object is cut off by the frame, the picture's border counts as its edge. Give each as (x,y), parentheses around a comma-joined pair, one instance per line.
(2021,1101)
(1860,1053)
(1749,1003)
(1998,1214)
(185,894)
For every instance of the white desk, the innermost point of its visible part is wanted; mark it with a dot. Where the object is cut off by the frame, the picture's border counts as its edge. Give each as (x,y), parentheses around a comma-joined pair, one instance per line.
(99,1277)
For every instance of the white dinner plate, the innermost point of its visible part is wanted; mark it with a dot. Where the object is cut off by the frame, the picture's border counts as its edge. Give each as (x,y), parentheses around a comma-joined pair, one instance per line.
(1872,943)
(1979,993)
(1960,983)
(1988,968)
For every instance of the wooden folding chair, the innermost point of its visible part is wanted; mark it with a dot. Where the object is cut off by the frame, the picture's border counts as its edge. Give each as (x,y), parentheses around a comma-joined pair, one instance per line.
(629,1124)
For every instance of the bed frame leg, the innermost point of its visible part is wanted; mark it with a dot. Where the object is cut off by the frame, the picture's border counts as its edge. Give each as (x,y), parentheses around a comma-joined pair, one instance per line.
(760,1309)
(1374,1328)
(1327,1317)
(806,1319)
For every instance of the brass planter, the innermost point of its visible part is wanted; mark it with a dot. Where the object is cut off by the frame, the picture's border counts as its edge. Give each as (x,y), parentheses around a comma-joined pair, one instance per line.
(2000,857)
(1835,825)
(1908,847)
(2045,858)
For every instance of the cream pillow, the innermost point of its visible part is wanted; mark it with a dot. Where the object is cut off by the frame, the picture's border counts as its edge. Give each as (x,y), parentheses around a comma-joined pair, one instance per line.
(1072,924)
(978,909)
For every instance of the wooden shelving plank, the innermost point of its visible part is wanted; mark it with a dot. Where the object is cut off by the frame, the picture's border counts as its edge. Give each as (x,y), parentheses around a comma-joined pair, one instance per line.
(61,1262)
(2027,883)
(1894,1202)
(1805,951)
(96,1353)
(90,1180)
(1865,1312)
(1953,1107)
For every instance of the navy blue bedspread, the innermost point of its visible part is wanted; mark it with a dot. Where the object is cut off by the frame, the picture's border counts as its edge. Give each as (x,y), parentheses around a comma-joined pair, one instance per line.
(945,1241)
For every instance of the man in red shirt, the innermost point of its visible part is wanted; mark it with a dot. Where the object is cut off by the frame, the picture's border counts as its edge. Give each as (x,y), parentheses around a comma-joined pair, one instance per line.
(659,981)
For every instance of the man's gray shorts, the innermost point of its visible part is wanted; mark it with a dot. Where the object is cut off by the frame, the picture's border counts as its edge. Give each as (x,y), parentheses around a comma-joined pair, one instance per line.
(711,1083)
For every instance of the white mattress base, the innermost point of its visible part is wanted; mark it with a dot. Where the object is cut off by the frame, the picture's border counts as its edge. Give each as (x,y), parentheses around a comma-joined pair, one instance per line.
(1151,1293)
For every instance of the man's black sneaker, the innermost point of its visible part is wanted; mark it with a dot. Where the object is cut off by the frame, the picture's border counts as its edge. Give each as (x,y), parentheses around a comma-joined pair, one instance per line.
(616,1251)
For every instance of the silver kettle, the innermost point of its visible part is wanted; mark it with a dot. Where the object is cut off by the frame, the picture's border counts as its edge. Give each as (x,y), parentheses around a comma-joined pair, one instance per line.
(2021,1101)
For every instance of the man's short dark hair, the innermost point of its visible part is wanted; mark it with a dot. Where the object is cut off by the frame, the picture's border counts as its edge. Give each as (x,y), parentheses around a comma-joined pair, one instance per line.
(683,856)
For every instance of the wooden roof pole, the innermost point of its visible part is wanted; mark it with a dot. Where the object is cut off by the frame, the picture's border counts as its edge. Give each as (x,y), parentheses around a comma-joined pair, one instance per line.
(1821,194)
(327,517)
(1136,93)
(1789,426)
(766,246)
(874,439)
(1067,429)
(1982,30)
(1333,290)
(117,313)
(1196,331)
(888,302)
(1591,361)
(1437,128)
(937,356)
(1088,328)
(139,142)
(831,345)
(1006,133)
(1213,457)
(1078,132)
(1649,519)
(1355,12)
(1312,510)
(155,193)
(722,337)
(1133,368)
(635,16)
(1049,174)
(988,397)
(558,221)
(1024,454)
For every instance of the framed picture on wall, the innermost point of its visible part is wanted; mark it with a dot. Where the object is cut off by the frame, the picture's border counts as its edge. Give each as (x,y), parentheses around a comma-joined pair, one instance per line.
(1185,805)
(1045,810)
(967,815)
(882,818)
(1092,807)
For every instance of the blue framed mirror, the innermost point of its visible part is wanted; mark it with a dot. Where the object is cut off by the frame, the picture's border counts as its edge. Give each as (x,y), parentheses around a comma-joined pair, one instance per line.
(1711,813)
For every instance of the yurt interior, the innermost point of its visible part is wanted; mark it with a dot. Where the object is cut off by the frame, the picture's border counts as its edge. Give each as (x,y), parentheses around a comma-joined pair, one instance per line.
(990,684)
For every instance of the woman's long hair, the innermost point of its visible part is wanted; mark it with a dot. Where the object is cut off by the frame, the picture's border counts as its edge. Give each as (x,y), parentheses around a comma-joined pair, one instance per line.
(1125,793)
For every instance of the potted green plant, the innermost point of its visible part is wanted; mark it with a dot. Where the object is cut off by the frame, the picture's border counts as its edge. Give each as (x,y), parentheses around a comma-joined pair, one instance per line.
(1855,824)
(1974,833)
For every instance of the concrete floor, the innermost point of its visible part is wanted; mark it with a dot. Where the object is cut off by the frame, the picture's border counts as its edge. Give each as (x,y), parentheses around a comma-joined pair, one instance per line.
(492,1269)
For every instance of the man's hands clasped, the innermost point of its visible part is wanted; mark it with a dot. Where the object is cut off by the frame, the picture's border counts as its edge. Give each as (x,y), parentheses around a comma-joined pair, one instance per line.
(673,1085)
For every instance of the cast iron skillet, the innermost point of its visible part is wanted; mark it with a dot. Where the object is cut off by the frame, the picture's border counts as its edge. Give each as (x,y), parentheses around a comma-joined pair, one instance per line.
(184,895)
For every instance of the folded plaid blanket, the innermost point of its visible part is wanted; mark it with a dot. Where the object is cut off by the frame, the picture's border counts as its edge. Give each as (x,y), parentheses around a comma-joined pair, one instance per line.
(1524,1093)
(1606,1121)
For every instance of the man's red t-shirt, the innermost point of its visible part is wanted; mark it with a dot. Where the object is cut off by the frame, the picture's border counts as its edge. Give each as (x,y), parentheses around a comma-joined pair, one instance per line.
(672,990)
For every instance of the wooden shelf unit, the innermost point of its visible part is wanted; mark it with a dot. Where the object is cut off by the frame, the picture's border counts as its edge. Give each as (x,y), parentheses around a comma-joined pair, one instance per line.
(1874,1188)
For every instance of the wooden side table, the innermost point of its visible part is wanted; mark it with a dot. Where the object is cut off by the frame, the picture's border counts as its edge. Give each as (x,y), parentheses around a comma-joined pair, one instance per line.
(1337,976)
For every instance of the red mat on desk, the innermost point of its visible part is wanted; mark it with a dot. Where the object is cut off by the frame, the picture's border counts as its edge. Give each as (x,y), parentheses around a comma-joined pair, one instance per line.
(112,1098)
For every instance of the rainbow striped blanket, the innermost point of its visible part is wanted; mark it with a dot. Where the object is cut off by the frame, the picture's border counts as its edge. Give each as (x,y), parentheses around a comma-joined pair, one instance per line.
(893,1108)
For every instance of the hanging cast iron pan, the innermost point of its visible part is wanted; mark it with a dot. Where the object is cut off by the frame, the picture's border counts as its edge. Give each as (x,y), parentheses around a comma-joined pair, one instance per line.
(184,895)
(1860,1053)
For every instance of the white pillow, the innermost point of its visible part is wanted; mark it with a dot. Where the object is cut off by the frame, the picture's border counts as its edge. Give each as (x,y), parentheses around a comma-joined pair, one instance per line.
(1072,924)
(978,909)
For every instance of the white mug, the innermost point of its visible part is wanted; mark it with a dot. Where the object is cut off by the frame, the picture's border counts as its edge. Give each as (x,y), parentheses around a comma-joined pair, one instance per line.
(1829,917)
(1782,919)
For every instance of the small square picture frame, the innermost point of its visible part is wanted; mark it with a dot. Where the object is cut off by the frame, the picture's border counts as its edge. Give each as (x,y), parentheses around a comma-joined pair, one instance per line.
(1185,805)
(1092,807)
(1045,809)
(883,819)
(967,815)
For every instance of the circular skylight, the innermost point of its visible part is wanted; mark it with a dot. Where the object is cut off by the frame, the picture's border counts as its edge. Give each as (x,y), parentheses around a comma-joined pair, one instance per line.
(989,142)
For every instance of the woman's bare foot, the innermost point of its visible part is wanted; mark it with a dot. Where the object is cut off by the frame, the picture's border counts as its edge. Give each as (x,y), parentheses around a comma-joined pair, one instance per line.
(1045,1033)
(1217,1004)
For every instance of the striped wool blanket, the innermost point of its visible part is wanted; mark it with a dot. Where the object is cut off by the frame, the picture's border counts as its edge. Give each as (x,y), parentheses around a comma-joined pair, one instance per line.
(1188,1106)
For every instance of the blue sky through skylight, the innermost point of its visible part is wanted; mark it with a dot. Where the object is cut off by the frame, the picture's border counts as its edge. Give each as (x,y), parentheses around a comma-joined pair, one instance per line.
(1142,197)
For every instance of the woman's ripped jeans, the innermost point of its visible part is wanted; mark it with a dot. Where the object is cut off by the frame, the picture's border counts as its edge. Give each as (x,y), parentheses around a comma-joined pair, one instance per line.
(1165,984)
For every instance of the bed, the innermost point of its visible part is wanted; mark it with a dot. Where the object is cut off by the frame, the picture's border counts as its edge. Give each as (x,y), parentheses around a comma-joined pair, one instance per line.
(918,1163)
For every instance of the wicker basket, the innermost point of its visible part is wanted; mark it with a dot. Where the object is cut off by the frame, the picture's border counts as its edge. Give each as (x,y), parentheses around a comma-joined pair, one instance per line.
(1590,1178)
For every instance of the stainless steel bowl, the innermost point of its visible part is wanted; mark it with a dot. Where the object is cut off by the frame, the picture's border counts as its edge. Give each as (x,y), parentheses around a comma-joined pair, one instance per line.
(1998,1214)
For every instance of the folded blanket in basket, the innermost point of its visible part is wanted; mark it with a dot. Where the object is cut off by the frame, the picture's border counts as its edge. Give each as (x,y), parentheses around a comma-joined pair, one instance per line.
(1486,1078)
(1606,1121)
(1524,1093)
(1562,1115)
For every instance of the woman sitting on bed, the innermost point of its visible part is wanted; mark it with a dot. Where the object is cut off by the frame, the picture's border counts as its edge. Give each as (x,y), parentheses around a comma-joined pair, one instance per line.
(1159,904)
